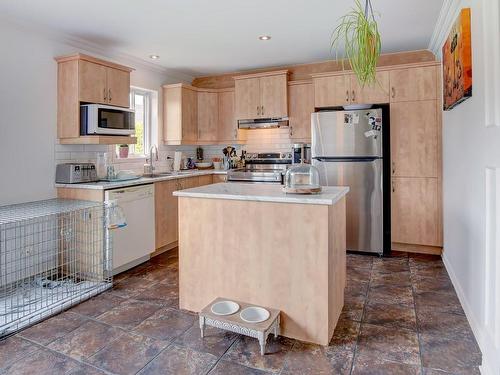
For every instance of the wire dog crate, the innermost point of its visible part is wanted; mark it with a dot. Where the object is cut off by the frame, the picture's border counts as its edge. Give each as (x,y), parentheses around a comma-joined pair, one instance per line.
(53,254)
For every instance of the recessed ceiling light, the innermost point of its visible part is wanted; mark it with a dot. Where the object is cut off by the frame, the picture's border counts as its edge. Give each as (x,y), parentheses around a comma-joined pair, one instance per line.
(154,57)
(264,37)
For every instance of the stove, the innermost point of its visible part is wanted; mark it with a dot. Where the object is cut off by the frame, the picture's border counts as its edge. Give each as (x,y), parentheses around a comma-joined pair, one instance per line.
(262,167)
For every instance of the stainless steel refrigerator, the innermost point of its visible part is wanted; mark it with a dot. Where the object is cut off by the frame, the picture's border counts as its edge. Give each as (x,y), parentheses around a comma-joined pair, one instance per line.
(347,150)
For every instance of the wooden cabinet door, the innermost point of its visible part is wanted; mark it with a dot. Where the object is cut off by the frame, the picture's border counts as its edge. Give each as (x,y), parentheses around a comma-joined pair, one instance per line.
(228,127)
(332,91)
(166,220)
(301,105)
(414,139)
(189,121)
(118,85)
(273,96)
(207,116)
(414,207)
(219,178)
(247,98)
(92,82)
(205,180)
(370,94)
(410,84)
(189,182)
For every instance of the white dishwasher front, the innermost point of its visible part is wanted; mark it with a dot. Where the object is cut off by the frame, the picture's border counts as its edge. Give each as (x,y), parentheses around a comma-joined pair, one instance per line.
(134,243)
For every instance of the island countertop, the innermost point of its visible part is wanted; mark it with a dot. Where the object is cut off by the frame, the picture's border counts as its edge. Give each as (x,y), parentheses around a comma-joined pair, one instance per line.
(263,193)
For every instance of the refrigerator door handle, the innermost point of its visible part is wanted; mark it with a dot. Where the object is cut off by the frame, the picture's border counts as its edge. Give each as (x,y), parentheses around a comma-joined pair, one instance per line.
(354,159)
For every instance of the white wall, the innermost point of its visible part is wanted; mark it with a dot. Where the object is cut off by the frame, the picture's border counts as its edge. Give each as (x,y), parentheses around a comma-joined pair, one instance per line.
(28,89)
(471,157)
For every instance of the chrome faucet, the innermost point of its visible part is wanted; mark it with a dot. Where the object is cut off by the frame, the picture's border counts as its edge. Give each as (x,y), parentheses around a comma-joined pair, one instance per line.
(151,165)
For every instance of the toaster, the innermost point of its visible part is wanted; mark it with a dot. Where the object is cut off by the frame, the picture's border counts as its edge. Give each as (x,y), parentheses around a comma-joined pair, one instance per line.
(74,173)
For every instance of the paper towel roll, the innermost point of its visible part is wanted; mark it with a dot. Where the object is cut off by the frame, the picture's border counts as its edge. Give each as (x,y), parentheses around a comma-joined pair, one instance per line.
(177,160)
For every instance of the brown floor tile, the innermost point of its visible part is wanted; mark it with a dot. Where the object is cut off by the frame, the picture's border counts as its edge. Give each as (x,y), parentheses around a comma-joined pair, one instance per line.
(128,354)
(166,324)
(215,341)
(85,369)
(98,305)
(438,302)
(398,294)
(179,360)
(433,284)
(129,314)
(359,261)
(14,348)
(441,324)
(390,265)
(394,278)
(86,340)
(361,274)
(449,355)
(130,286)
(345,335)
(437,270)
(424,259)
(226,368)
(399,254)
(246,351)
(307,358)
(463,371)
(42,362)
(160,294)
(364,365)
(53,328)
(353,308)
(356,288)
(392,344)
(390,315)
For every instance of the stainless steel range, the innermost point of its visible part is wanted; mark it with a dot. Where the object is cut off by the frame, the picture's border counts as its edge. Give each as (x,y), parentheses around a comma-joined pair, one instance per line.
(263,167)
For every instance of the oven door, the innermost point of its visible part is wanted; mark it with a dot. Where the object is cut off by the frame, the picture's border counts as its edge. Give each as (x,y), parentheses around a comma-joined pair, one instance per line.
(255,176)
(103,119)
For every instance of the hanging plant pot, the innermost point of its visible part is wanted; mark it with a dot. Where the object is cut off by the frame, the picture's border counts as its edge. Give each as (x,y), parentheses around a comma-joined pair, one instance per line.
(357,39)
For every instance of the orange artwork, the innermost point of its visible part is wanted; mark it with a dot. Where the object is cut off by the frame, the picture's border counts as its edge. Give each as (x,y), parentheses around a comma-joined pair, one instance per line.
(457,62)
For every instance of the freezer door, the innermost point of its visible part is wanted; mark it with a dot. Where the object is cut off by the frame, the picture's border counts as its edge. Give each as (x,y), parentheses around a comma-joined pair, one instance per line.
(347,133)
(364,202)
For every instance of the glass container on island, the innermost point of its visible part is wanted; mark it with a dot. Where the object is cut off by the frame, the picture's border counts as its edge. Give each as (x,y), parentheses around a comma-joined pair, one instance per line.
(302,179)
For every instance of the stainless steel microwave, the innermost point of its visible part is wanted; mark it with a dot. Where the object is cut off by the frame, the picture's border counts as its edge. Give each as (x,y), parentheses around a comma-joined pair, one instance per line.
(106,120)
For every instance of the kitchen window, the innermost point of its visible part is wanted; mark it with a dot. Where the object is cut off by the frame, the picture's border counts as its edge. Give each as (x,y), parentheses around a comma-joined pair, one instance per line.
(141,100)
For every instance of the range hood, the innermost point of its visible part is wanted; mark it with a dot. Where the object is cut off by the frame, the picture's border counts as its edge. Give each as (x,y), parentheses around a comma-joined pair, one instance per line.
(263,123)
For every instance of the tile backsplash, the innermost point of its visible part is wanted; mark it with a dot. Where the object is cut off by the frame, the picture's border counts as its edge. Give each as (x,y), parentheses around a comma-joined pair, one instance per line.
(258,140)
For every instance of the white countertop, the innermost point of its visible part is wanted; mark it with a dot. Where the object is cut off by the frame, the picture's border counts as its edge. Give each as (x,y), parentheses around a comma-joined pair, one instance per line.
(103,185)
(263,193)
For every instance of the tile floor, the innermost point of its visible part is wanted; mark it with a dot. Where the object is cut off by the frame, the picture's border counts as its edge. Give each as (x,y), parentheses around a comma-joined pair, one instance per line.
(401,316)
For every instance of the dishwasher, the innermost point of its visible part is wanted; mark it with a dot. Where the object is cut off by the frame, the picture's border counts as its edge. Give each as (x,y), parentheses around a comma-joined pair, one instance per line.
(133,243)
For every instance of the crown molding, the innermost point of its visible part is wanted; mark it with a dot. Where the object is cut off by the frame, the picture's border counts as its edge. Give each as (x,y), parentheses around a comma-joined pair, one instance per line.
(447,15)
(111,54)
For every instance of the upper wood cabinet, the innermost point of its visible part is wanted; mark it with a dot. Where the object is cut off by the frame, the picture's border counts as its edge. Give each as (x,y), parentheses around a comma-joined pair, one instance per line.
(414,83)
(85,79)
(415,211)
(208,116)
(376,93)
(228,127)
(261,95)
(340,88)
(414,139)
(180,117)
(301,105)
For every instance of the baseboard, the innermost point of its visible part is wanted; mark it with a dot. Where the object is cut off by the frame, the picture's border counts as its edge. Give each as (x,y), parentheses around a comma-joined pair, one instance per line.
(165,248)
(490,359)
(420,249)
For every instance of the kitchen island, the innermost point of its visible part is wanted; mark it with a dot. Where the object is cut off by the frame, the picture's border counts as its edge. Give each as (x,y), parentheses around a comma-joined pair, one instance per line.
(253,243)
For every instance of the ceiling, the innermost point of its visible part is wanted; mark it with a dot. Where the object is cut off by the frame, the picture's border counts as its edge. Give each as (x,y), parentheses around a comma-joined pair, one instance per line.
(201,37)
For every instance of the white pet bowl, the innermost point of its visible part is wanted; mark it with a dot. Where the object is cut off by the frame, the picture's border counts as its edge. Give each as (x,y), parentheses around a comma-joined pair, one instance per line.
(254,314)
(225,308)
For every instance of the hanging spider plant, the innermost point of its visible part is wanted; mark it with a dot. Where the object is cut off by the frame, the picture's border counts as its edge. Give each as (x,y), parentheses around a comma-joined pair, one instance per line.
(358,39)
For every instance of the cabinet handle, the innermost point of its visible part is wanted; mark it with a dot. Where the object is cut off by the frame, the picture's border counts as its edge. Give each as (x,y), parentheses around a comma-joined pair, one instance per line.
(258,110)
(393,92)
(109,94)
(235,133)
(393,168)
(262,111)
(105,97)
(353,96)
(291,131)
(347,95)
(393,188)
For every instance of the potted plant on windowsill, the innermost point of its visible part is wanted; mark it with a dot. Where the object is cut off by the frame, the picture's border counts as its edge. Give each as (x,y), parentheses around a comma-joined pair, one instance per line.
(358,40)
(123,151)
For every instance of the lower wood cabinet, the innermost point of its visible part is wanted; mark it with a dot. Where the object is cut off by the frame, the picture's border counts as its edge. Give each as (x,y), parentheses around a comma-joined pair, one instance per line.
(219,178)
(205,180)
(166,224)
(415,211)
